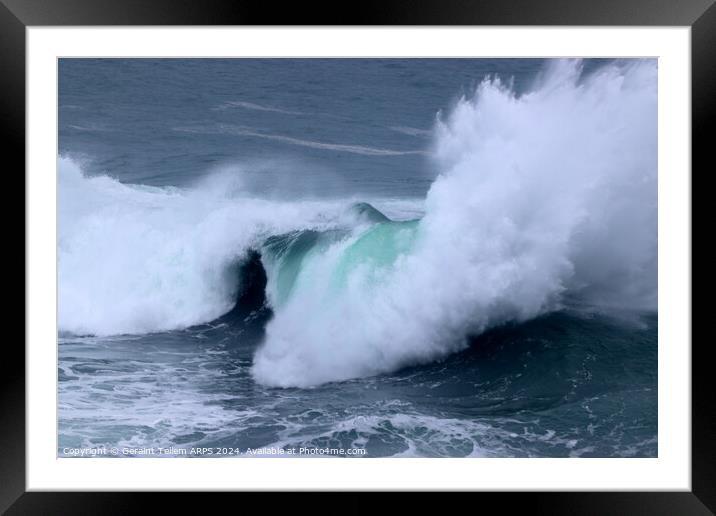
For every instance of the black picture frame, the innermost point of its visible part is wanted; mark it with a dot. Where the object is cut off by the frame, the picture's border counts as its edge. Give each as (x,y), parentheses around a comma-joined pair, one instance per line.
(16,15)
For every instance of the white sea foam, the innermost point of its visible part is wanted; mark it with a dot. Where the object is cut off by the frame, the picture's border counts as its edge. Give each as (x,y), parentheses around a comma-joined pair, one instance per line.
(411,131)
(238,130)
(257,107)
(137,259)
(541,196)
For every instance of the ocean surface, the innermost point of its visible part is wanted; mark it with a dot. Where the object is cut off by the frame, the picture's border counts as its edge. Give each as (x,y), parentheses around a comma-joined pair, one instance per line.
(357,258)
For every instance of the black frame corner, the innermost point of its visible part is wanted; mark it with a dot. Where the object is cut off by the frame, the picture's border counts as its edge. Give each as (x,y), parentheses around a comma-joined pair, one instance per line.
(17,15)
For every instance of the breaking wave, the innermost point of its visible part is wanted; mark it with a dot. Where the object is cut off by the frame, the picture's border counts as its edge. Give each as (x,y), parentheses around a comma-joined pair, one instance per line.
(543,199)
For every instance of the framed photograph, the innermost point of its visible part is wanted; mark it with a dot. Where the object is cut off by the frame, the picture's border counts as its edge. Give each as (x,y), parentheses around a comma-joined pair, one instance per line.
(434,249)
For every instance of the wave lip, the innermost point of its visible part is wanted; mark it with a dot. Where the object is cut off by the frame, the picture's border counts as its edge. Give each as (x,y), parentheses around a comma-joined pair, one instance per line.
(134,259)
(542,197)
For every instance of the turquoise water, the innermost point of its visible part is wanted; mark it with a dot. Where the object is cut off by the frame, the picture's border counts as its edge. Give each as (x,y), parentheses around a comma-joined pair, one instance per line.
(292,254)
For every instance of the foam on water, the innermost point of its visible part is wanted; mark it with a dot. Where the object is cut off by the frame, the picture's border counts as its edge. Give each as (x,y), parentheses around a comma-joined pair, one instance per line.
(541,196)
(138,259)
(544,203)
(340,147)
(544,388)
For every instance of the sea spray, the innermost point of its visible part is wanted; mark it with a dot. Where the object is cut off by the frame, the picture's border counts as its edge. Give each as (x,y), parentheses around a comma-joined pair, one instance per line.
(136,259)
(575,382)
(542,197)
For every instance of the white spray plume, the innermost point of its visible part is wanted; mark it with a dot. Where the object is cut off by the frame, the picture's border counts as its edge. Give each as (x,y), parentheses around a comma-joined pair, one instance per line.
(138,259)
(542,197)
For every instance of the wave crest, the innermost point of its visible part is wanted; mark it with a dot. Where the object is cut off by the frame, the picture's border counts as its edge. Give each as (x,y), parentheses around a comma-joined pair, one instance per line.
(541,197)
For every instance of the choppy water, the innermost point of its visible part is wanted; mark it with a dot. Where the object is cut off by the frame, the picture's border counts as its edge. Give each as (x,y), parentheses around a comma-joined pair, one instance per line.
(346,255)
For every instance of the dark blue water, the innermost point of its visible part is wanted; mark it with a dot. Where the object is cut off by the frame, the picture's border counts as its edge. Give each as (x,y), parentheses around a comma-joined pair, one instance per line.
(164,122)
(578,380)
